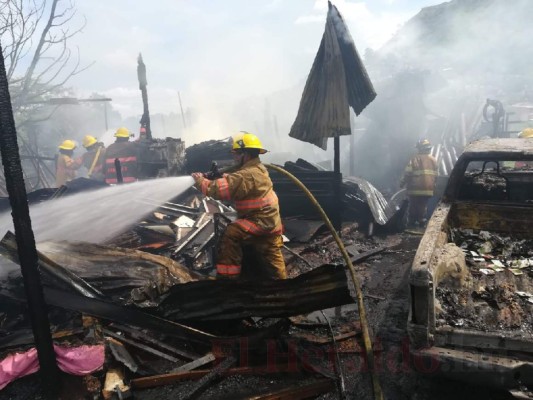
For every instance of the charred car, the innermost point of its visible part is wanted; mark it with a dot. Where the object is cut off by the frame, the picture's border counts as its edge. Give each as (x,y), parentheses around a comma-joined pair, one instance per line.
(471,281)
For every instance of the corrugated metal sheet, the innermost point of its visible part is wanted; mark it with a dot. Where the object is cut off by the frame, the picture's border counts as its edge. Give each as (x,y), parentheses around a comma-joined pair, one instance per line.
(338,80)
(382,211)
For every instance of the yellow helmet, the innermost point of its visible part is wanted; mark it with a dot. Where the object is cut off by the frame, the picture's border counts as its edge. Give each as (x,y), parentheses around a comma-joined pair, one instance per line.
(526,133)
(122,132)
(423,143)
(67,145)
(246,140)
(88,141)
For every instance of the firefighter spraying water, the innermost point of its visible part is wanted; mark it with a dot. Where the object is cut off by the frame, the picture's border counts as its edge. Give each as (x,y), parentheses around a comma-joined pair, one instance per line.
(259,221)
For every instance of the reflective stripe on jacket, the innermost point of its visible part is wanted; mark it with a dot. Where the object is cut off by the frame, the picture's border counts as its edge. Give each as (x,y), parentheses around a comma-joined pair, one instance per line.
(251,189)
(421,175)
(228,270)
(127,154)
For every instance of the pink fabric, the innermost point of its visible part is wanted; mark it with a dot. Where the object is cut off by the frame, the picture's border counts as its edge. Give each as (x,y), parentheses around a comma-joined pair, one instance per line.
(80,360)
(18,365)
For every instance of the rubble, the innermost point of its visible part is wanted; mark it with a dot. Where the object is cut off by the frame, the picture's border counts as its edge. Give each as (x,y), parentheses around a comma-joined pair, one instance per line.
(146,291)
(360,200)
(501,270)
(151,309)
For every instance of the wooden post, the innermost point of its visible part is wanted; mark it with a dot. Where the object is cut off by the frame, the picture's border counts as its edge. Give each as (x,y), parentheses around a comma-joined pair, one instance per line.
(337,217)
(27,251)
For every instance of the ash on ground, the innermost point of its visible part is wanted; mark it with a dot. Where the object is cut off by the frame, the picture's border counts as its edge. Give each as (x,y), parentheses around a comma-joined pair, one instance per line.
(500,296)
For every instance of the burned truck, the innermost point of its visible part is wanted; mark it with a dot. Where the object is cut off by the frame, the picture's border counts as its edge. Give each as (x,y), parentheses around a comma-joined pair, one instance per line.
(471,281)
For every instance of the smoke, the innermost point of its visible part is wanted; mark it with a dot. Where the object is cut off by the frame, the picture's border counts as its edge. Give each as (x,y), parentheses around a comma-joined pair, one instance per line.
(244,67)
(237,68)
(434,75)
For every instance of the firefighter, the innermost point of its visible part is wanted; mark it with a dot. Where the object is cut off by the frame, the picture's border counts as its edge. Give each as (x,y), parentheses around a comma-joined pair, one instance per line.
(94,158)
(127,153)
(142,134)
(527,133)
(259,221)
(419,179)
(66,166)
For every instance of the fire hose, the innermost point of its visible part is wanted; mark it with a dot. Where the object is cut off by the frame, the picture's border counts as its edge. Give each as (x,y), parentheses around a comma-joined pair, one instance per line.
(378,394)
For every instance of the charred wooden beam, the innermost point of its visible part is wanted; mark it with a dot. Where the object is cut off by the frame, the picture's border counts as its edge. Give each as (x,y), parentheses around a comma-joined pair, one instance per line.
(141,346)
(167,379)
(367,254)
(308,391)
(141,336)
(27,252)
(209,357)
(213,375)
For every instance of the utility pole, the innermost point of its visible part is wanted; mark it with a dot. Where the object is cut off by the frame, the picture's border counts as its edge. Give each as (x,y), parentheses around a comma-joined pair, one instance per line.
(27,251)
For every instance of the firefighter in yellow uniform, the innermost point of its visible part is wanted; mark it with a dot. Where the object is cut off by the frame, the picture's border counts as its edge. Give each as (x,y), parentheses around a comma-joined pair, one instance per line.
(66,166)
(94,158)
(525,134)
(259,221)
(419,178)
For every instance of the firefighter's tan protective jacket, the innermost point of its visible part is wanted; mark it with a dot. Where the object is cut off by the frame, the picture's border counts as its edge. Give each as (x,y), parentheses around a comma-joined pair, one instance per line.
(65,169)
(420,175)
(251,189)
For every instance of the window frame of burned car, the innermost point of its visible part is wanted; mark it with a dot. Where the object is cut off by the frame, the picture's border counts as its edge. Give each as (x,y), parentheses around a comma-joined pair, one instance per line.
(518,180)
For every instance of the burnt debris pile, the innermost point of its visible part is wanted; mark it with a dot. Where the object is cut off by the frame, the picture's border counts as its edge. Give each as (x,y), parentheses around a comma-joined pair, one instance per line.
(499,293)
(142,310)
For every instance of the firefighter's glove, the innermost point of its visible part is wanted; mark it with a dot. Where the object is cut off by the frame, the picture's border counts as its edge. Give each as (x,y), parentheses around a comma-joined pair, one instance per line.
(212,175)
(197,176)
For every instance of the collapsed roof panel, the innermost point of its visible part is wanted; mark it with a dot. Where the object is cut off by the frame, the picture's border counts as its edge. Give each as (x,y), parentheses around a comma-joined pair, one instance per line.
(320,288)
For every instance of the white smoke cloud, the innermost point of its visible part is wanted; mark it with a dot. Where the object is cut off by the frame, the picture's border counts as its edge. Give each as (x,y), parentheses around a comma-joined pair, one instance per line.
(369,29)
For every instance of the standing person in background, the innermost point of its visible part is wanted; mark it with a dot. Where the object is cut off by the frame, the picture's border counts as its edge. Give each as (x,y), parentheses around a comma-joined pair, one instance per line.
(66,166)
(127,154)
(420,178)
(94,158)
(142,134)
(259,221)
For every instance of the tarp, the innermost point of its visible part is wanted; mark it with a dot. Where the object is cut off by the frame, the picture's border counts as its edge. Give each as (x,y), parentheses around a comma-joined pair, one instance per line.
(338,80)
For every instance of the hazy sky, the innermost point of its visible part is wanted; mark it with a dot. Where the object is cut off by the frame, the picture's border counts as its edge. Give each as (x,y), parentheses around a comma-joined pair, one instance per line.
(213,50)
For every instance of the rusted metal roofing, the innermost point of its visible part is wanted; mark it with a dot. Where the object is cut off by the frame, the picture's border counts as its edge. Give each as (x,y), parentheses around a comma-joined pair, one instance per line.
(338,80)
(518,146)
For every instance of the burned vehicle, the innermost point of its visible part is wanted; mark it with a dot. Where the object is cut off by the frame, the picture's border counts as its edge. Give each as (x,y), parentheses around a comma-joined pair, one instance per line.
(471,281)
